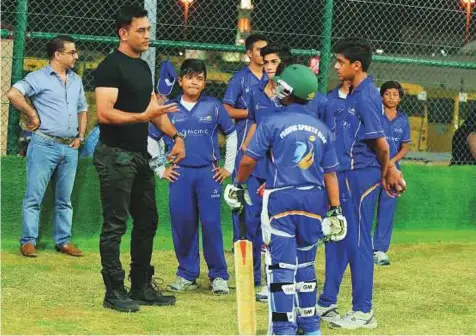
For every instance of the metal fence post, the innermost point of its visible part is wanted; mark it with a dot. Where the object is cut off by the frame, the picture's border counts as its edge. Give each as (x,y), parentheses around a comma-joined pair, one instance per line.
(17,72)
(326,46)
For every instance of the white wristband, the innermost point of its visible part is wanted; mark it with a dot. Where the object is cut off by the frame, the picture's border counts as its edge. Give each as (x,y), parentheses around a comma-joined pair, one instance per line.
(159,171)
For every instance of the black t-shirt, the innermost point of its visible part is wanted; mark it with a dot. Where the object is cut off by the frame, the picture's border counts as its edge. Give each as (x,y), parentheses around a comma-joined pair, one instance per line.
(461,151)
(133,78)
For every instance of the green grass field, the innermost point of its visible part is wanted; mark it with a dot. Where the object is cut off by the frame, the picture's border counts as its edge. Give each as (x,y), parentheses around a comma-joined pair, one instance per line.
(428,289)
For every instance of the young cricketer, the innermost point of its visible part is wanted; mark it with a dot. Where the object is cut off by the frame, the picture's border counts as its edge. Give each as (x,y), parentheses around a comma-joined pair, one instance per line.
(236,100)
(195,184)
(363,155)
(295,202)
(397,131)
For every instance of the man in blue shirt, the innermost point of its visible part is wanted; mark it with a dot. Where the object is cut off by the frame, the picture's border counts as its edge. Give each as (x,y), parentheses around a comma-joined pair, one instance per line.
(237,96)
(294,202)
(195,183)
(363,154)
(397,131)
(58,121)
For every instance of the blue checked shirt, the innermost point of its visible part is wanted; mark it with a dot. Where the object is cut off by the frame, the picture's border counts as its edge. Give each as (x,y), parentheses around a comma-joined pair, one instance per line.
(56,102)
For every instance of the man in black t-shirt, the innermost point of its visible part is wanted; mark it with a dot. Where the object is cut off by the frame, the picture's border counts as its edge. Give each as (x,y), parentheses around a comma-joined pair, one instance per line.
(464,142)
(125,104)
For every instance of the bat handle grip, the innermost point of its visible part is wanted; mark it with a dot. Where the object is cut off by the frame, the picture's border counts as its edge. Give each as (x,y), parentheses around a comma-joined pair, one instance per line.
(241,215)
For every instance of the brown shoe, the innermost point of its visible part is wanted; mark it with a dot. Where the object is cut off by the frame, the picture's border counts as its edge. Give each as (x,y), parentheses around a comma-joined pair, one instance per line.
(70,249)
(28,250)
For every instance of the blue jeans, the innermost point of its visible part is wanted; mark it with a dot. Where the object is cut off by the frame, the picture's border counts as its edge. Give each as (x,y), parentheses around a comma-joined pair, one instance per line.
(45,157)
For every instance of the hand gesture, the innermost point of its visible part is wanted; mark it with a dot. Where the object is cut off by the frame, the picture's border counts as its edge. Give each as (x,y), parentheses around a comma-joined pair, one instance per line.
(155,110)
(177,153)
(170,174)
(220,174)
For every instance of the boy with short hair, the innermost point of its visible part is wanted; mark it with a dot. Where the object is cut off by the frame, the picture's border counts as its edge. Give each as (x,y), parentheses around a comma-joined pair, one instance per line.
(397,131)
(236,100)
(195,184)
(295,201)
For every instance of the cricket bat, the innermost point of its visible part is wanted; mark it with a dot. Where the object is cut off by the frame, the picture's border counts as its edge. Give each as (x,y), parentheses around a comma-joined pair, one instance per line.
(245,289)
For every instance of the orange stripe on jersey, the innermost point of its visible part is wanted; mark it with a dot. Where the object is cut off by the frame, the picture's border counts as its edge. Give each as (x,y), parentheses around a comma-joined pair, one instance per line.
(295,213)
(365,194)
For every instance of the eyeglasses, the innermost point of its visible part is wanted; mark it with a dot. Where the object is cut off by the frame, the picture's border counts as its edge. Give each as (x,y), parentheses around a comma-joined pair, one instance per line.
(71,52)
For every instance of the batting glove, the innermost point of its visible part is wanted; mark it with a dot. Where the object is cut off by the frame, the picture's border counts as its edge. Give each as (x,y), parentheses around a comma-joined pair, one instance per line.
(334,226)
(235,195)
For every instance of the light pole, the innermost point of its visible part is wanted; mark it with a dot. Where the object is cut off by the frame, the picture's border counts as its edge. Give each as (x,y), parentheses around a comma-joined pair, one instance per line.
(245,8)
(186,5)
(467,4)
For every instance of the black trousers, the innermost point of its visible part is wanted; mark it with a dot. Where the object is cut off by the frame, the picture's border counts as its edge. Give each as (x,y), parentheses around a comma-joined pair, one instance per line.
(127,186)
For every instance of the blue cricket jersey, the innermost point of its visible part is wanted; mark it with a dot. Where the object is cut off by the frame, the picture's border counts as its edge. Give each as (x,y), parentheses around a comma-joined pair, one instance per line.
(238,95)
(200,127)
(302,148)
(336,104)
(397,131)
(260,107)
(361,121)
(320,108)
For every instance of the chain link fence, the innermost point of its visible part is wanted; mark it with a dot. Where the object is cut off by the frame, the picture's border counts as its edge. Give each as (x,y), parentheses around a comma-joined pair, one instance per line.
(424,45)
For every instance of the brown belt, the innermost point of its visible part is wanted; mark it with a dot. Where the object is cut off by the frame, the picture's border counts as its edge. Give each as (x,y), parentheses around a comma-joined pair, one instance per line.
(60,140)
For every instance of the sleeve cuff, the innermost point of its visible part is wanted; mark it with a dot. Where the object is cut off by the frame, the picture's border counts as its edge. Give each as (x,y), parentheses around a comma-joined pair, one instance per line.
(331,169)
(19,87)
(253,155)
(228,102)
(373,135)
(230,130)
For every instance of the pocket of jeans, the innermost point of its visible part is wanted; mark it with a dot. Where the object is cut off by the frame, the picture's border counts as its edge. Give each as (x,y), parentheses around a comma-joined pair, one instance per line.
(40,141)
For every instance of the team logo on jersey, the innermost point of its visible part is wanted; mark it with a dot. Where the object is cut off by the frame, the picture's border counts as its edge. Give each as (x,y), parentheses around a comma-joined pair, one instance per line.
(304,153)
(207,119)
(351,110)
(392,139)
(398,130)
(176,120)
(215,194)
(195,132)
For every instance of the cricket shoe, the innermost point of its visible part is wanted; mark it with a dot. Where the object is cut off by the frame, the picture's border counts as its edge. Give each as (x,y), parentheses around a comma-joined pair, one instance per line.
(381,258)
(355,320)
(262,295)
(328,314)
(220,286)
(181,285)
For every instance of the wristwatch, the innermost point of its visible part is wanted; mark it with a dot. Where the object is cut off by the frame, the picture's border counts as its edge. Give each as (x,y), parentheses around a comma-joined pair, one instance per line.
(178,135)
(81,139)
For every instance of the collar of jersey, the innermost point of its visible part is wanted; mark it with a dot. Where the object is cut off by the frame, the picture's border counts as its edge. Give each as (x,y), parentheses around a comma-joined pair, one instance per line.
(362,85)
(179,98)
(264,78)
(296,108)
